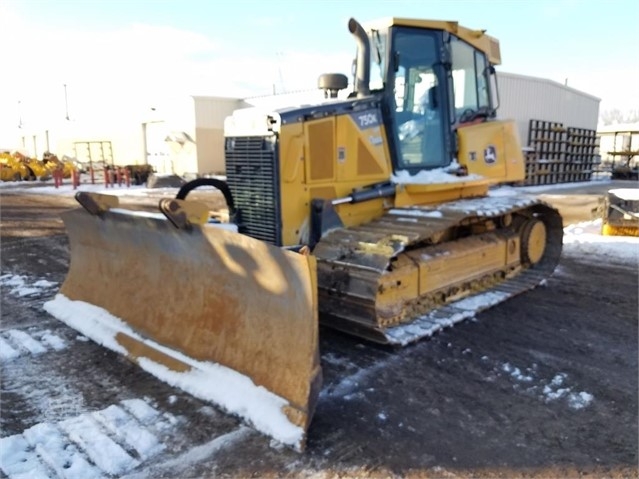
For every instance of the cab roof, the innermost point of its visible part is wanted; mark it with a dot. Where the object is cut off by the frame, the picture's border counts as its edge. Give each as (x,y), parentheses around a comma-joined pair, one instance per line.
(477,38)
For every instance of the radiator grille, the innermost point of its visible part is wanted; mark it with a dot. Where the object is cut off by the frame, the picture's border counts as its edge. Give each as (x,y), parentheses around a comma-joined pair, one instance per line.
(253,176)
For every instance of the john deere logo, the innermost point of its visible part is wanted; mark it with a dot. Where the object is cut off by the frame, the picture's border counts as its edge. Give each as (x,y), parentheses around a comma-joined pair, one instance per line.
(490,155)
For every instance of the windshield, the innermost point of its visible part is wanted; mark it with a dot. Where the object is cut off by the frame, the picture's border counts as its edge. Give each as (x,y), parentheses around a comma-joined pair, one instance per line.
(419,104)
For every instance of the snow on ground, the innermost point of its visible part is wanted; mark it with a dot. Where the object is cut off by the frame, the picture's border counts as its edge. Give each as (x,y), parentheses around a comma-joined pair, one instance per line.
(21,286)
(21,341)
(548,391)
(510,191)
(66,189)
(585,239)
(113,440)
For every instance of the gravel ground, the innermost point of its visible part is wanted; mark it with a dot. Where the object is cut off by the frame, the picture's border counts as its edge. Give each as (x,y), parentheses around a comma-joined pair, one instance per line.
(544,385)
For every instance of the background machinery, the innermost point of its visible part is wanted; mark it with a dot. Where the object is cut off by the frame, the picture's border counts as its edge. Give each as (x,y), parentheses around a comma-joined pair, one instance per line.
(370,214)
(621,212)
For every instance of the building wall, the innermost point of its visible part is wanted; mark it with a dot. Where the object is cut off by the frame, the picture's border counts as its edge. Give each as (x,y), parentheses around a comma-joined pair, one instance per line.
(523,98)
(169,135)
(61,138)
(210,150)
(210,113)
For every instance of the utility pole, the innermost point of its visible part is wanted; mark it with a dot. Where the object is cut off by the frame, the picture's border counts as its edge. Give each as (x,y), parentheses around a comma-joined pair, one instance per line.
(279,56)
(19,113)
(66,102)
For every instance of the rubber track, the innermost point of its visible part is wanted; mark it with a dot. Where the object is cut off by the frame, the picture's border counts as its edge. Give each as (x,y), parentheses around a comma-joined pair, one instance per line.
(340,251)
(450,314)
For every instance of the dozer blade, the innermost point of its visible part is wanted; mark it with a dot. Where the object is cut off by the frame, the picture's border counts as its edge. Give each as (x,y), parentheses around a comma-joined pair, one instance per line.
(225,317)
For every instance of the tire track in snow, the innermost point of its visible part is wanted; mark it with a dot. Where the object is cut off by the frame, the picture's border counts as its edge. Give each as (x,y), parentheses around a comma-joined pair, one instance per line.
(105,443)
(16,343)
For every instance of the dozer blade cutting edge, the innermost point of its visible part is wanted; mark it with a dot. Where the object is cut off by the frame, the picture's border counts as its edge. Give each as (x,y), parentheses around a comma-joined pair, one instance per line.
(223,316)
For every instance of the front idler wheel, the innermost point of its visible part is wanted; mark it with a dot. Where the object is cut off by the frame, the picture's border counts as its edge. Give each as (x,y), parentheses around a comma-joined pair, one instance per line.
(533,241)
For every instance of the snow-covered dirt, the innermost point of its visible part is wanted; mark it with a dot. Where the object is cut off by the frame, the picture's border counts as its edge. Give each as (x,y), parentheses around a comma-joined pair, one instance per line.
(543,385)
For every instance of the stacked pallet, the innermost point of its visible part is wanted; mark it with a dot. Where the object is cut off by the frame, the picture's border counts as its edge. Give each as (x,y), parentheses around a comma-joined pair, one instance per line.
(559,154)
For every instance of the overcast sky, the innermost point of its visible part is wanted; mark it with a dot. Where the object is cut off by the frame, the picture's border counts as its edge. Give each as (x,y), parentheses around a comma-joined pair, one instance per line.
(140,53)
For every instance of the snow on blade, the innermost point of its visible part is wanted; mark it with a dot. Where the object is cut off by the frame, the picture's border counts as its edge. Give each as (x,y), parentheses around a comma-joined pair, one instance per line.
(628,194)
(138,213)
(209,381)
(90,320)
(159,216)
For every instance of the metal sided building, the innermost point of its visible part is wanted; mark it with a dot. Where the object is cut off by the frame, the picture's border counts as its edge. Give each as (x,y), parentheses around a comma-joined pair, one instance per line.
(524,98)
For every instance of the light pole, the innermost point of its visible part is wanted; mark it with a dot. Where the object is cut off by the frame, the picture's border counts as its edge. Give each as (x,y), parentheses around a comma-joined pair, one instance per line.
(66,102)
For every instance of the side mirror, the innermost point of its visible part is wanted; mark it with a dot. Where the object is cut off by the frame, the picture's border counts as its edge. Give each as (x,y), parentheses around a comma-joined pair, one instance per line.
(494,87)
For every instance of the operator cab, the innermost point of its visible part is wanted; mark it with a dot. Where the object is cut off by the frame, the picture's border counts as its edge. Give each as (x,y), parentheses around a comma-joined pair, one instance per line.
(431,81)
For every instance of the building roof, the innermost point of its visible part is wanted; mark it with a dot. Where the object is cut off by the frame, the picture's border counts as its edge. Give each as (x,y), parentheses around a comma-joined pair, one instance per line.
(549,82)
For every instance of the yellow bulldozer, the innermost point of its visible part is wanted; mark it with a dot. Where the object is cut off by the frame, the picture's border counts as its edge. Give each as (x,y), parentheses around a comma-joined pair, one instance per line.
(370,212)
(621,212)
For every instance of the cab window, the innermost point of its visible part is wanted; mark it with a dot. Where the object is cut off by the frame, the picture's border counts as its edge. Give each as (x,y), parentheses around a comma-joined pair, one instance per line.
(418,100)
(470,70)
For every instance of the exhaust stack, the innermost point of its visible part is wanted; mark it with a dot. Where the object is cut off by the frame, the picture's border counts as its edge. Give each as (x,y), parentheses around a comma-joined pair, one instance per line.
(363,73)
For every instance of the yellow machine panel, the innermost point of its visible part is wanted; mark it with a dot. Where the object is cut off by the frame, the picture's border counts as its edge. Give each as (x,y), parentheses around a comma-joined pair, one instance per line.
(327,158)
(491,149)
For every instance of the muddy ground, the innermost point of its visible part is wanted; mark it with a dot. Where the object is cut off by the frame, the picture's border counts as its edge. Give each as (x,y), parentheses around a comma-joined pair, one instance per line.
(482,399)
